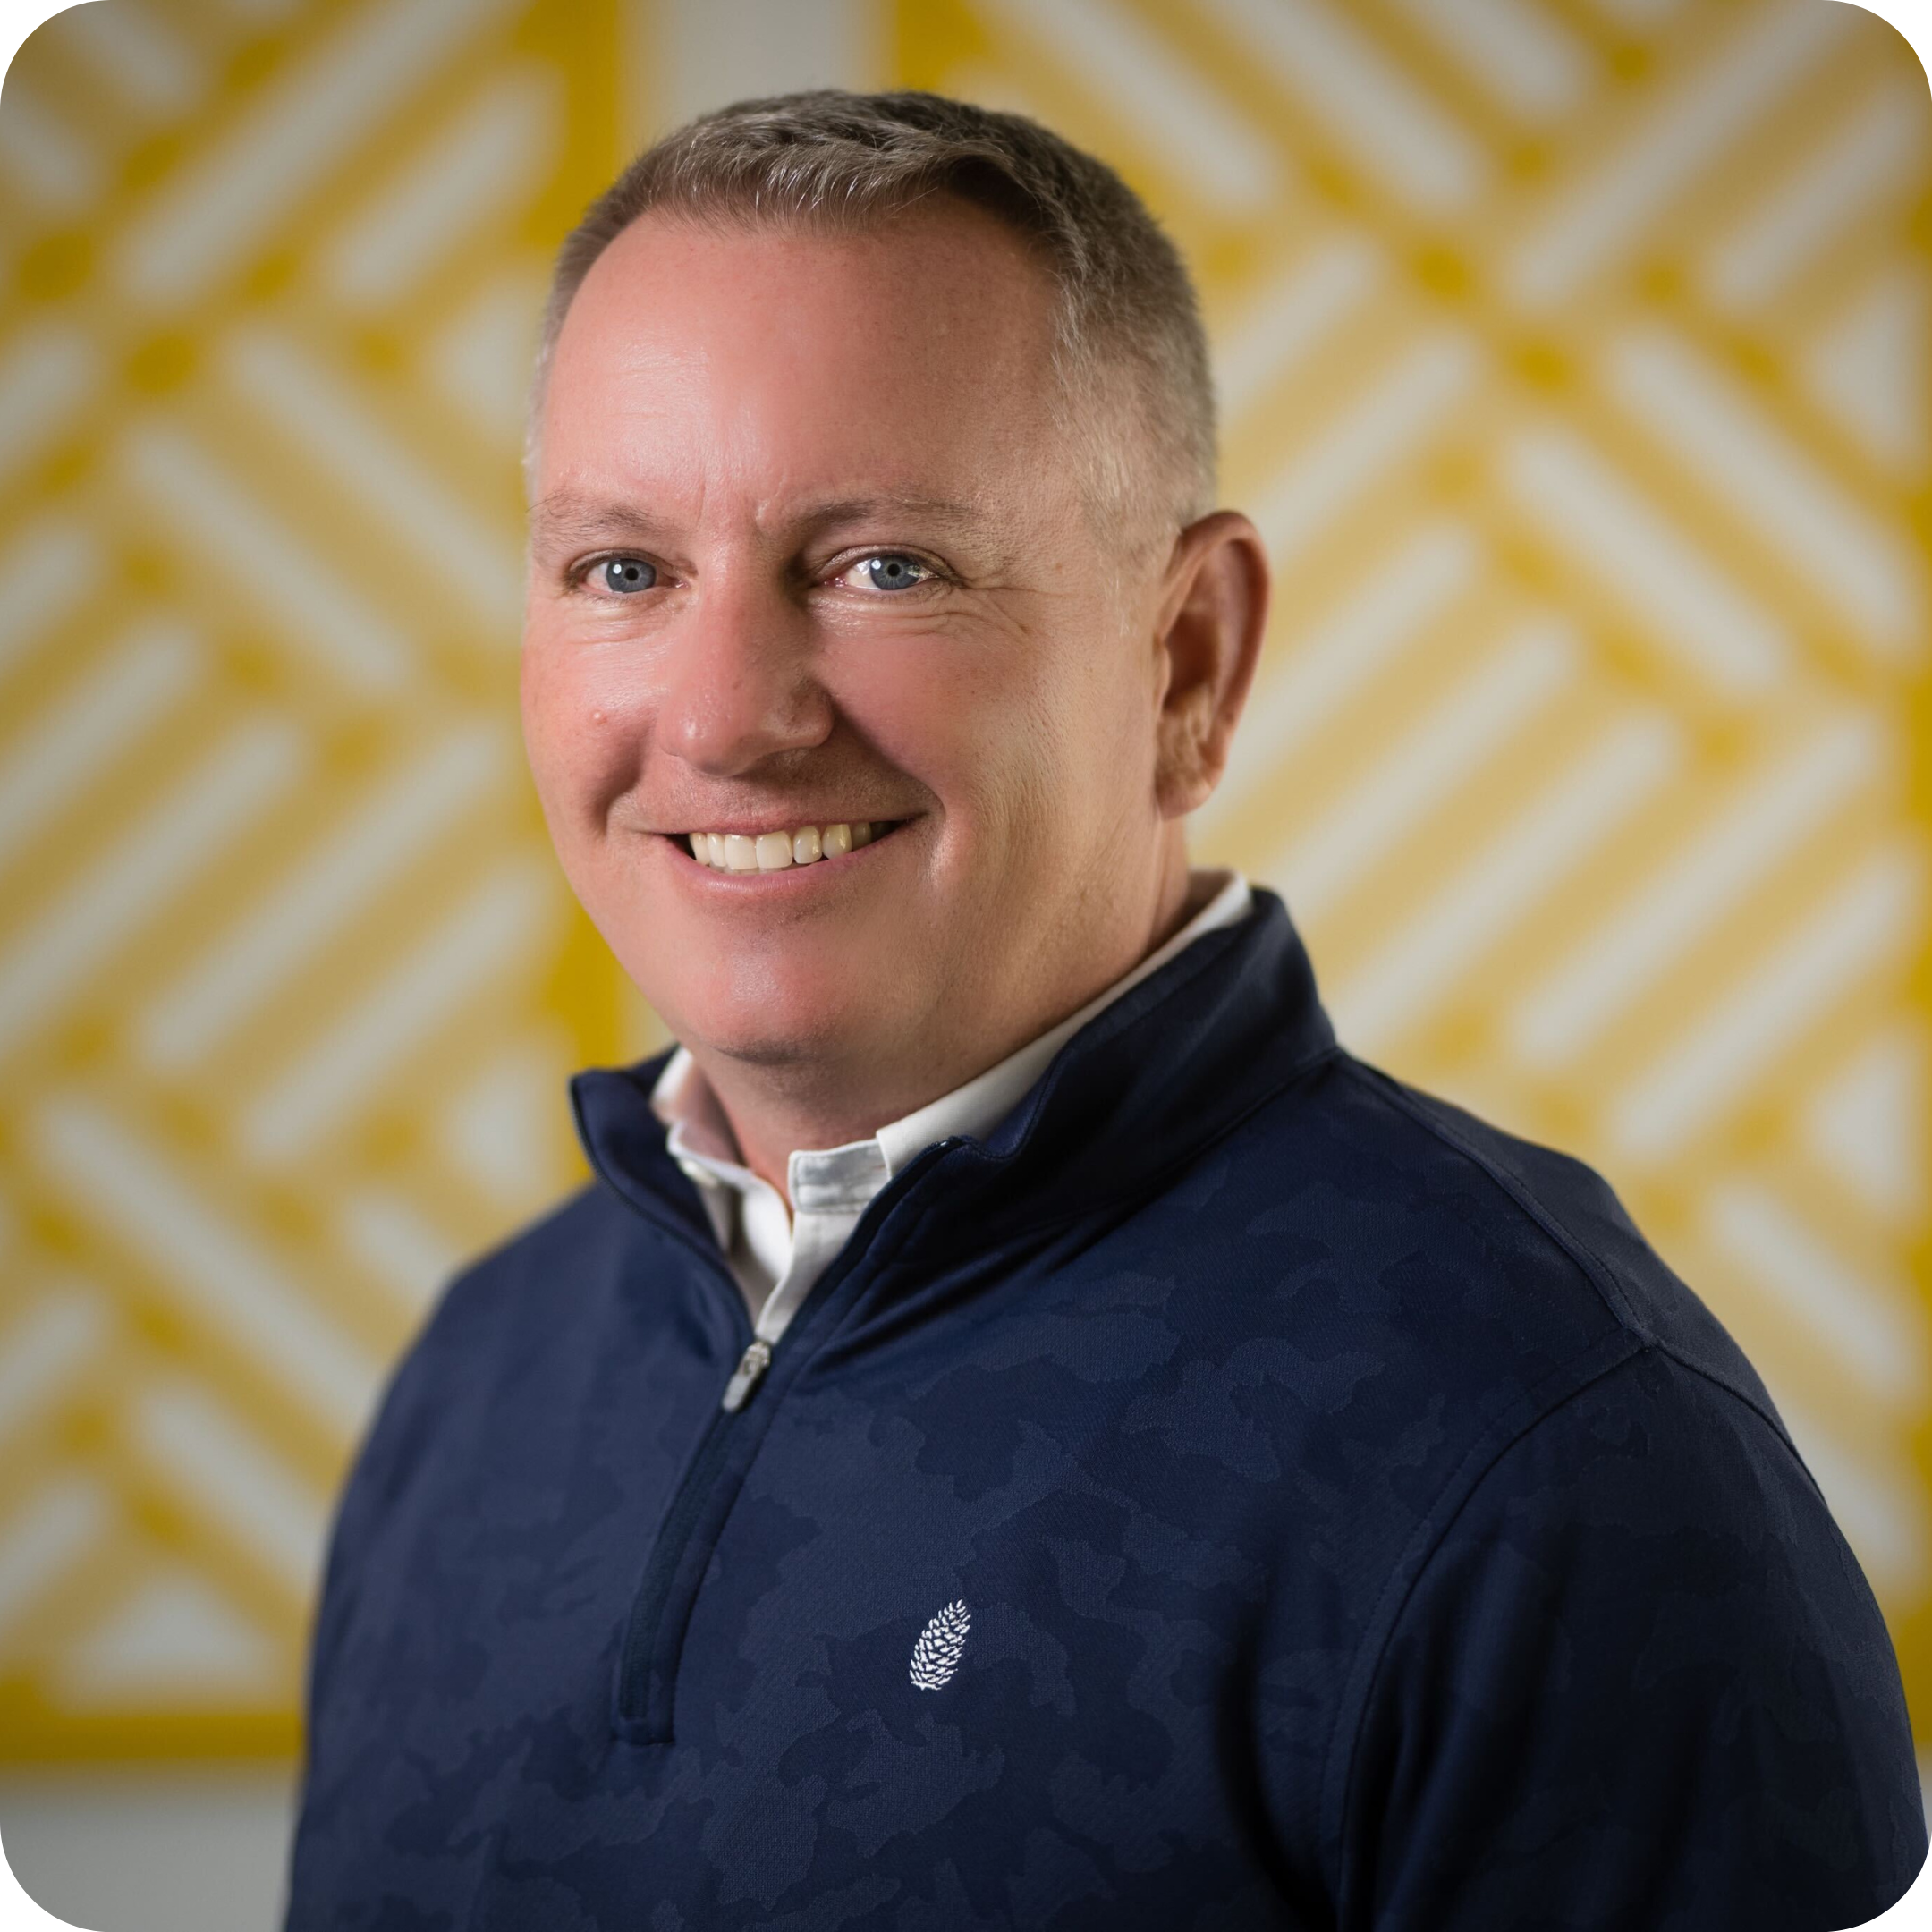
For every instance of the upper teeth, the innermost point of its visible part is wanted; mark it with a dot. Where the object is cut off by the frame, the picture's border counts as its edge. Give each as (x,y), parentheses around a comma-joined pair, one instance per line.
(773,852)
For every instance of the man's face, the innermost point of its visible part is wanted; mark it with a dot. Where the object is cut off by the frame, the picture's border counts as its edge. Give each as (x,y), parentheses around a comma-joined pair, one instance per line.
(809,549)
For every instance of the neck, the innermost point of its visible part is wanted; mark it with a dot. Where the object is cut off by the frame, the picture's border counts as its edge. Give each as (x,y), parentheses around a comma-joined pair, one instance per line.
(827,1100)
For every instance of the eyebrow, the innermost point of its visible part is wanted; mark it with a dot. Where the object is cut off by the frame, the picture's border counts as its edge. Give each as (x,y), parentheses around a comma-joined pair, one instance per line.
(567,518)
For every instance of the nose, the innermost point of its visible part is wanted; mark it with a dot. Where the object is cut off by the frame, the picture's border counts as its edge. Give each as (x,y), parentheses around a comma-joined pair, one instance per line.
(739,684)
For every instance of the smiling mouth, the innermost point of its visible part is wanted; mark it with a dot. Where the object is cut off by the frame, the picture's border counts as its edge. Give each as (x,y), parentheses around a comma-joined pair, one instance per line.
(779,852)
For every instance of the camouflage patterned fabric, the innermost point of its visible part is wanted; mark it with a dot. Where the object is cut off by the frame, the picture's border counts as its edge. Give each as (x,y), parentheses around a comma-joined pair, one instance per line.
(1240,1492)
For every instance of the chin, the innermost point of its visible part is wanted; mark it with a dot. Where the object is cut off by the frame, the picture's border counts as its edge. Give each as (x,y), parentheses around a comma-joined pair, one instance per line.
(773,1019)
(809,1051)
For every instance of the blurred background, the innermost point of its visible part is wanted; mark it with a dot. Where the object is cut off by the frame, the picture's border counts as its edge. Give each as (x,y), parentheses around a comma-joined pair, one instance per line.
(1574,361)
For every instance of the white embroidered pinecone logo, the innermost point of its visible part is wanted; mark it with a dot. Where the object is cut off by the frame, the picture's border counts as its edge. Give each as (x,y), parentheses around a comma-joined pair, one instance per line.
(936,1655)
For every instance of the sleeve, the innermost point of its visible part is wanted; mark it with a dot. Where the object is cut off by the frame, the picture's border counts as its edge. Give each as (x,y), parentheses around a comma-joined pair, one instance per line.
(1640,1682)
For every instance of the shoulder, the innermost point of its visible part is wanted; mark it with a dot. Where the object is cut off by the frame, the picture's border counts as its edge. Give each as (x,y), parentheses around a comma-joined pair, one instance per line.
(1680,1505)
(1642,1614)
(1511,1247)
(498,1320)
(1490,1293)
(500,1295)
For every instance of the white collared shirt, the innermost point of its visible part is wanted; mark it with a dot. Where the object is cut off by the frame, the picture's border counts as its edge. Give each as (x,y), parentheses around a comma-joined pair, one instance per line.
(776,1253)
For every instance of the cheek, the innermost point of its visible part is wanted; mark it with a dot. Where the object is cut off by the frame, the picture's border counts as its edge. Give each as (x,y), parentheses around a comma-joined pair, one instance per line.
(582,728)
(1012,732)
(961,714)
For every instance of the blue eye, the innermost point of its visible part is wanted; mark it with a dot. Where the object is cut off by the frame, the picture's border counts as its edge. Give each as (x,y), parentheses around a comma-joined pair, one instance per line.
(625,574)
(890,570)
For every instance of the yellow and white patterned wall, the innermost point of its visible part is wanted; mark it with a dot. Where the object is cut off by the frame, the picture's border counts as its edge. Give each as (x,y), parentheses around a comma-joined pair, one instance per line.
(1573,360)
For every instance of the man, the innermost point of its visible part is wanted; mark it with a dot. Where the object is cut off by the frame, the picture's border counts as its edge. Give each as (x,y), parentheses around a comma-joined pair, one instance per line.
(1023,1430)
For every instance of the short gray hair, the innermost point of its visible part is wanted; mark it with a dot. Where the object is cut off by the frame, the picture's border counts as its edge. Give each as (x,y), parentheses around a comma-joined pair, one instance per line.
(846,161)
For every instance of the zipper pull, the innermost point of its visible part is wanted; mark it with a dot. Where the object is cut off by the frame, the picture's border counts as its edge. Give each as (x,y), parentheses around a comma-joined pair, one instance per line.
(750,1371)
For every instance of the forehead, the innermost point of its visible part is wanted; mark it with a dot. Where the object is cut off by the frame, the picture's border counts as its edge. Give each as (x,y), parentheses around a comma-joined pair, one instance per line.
(814,360)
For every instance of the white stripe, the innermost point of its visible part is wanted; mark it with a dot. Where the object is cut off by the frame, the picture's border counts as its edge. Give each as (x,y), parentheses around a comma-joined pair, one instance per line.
(1393,129)
(1424,767)
(1638,12)
(1877,1332)
(1524,57)
(1420,964)
(144,62)
(221,1277)
(47,374)
(213,214)
(173,1641)
(1715,1062)
(398,1246)
(1399,411)
(1619,960)
(49,570)
(1868,1123)
(1881,1512)
(390,832)
(1705,110)
(1196,131)
(59,1525)
(306,602)
(496,1127)
(491,160)
(1583,506)
(43,1352)
(69,747)
(1698,412)
(696,59)
(234,1478)
(1322,672)
(481,359)
(308,402)
(1286,320)
(1813,206)
(50,961)
(1868,369)
(45,156)
(494,926)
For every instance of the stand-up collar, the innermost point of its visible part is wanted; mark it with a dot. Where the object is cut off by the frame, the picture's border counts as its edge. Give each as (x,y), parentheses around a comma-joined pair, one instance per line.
(1162,1069)
(778,1244)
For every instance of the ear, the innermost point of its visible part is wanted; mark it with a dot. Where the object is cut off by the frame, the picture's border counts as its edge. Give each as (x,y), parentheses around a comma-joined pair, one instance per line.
(1213,614)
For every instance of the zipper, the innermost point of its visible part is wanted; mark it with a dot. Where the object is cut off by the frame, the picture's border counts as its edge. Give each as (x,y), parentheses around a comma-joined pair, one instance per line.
(643,1692)
(659,1612)
(748,1373)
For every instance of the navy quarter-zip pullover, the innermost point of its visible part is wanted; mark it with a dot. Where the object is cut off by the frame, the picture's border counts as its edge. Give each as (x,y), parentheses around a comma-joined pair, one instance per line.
(1240,1492)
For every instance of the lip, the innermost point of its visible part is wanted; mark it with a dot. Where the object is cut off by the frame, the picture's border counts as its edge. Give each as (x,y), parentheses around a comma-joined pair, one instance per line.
(785,877)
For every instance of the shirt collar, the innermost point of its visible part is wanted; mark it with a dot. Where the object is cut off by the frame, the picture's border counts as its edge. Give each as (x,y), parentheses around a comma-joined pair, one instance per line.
(847,1177)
